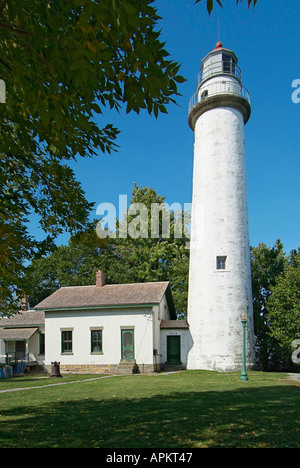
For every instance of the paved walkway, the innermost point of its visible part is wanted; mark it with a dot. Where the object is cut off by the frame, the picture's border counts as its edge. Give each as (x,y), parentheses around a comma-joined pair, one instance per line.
(295,377)
(60,382)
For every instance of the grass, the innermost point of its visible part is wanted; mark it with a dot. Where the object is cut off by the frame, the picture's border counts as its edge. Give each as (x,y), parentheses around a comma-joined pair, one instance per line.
(189,409)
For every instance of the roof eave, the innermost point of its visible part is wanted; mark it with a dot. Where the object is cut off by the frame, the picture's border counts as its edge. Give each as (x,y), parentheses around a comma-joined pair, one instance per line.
(97,307)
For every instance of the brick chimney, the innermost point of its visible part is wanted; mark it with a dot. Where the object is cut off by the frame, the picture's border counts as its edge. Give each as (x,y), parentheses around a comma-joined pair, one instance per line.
(24,302)
(100,279)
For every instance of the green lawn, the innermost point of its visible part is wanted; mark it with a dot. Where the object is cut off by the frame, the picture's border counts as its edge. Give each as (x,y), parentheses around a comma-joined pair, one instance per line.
(189,409)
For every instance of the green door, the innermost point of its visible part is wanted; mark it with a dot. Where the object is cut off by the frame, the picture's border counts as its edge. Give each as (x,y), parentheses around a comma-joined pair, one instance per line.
(127,339)
(173,350)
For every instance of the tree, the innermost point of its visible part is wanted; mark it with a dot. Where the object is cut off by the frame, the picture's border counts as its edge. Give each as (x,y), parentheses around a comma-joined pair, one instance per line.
(160,253)
(267,264)
(210,3)
(71,265)
(142,258)
(284,306)
(64,62)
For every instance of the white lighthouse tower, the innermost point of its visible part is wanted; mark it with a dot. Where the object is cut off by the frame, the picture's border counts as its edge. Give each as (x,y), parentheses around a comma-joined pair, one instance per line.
(220,272)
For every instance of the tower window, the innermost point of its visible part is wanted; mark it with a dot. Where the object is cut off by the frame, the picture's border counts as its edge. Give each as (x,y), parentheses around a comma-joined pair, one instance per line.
(226,63)
(229,64)
(221,263)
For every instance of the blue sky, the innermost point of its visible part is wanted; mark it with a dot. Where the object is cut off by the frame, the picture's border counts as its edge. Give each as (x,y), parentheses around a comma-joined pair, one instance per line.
(159,153)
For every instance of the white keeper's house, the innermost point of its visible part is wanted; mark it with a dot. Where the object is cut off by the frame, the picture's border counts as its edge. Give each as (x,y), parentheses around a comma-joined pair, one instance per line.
(103,328)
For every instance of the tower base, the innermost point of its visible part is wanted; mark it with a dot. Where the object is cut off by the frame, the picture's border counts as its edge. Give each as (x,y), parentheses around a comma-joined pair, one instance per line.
(217,363)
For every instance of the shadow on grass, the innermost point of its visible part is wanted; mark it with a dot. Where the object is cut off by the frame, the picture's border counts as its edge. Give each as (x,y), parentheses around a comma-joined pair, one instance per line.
(251,417)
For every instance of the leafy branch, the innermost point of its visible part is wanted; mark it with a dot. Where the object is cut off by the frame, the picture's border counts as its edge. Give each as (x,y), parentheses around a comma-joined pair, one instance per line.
(210,3)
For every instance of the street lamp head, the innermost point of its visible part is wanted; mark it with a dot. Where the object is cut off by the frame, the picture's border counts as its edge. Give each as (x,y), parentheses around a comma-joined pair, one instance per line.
(244,316)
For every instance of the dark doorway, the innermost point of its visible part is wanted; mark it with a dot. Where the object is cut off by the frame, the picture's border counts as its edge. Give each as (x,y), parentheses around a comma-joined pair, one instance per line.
(20,350)
(173,350)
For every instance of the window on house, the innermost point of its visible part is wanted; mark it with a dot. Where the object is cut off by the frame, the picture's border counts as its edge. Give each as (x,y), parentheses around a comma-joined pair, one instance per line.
(221,263)
(42,343)
(66,341)
(96,341)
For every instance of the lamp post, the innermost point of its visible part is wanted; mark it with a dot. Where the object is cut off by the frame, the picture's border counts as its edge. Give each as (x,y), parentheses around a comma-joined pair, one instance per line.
(244,318)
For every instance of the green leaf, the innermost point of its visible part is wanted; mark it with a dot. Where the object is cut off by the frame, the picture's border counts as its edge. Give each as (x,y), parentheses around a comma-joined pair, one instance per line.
(210,5)
(180,79)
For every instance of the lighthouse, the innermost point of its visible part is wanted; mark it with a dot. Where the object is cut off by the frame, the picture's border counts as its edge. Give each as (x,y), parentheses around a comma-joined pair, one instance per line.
(220,287)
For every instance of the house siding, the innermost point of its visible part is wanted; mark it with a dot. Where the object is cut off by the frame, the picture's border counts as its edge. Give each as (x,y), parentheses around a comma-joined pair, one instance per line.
(81,322)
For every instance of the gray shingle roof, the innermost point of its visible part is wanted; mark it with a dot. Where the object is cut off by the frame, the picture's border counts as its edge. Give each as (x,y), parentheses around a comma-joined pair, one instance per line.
(174,324)
(107,295)
(26,319)
(15,334)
